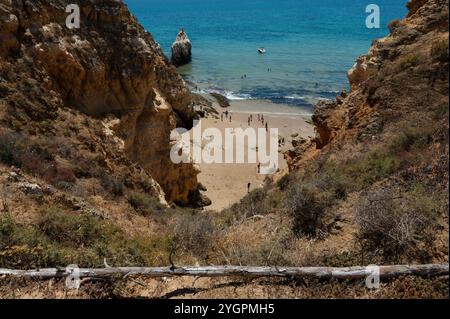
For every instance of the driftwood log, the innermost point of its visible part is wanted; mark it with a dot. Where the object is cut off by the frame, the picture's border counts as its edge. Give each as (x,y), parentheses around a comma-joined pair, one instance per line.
(227,271)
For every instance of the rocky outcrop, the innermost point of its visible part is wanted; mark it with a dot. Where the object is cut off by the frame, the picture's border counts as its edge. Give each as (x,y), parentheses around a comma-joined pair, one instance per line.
(223,101)
(414,5)
(388,83)
(109,66)
(320,119)
(365,67)
(181,49)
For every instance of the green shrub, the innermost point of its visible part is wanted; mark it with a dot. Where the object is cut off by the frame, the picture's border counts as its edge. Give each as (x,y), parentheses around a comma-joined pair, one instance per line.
(194,233)
(270,251)
(144,204)
(11,234)
(35,159)
(341,259)
(61,238)
(71,229)
(381,163)
(334,181)
(308,206)
(283,182)
(439,51)
(400,227)
(112,184)
(9,153)
(377,166)
(25,247)
(258,202)
(409,61)
(410,139)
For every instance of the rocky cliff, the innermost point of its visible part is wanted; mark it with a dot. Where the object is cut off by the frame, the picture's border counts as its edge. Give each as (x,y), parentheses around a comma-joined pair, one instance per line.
(109,67)
(396,84)
(387,84)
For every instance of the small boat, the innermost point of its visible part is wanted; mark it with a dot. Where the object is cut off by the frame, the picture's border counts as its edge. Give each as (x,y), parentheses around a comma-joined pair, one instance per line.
(261,51)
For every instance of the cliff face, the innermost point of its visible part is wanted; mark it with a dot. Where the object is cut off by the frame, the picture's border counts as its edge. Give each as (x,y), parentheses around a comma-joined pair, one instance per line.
(387,84)
(398,83)
(109,66)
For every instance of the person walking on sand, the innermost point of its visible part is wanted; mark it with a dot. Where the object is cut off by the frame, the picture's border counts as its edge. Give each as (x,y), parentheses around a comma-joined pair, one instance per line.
(267,127)
(248,187)
(259,168)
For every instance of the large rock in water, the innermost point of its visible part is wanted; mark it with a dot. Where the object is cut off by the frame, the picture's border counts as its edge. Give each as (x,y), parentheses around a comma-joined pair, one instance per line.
(181,49)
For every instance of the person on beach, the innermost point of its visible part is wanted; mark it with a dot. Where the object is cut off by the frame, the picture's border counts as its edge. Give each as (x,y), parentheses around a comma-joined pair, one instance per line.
(267,127)
(259,168)
(248,187)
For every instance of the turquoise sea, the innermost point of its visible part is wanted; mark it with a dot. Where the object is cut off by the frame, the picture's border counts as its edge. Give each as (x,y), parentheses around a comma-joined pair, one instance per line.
(310,44)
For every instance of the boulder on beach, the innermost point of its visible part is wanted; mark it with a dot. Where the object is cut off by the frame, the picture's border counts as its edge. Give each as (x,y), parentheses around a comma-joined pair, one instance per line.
(181,49)
(222,100)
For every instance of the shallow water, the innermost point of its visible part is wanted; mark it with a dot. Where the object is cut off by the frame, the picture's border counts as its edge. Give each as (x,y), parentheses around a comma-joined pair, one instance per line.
(310,44)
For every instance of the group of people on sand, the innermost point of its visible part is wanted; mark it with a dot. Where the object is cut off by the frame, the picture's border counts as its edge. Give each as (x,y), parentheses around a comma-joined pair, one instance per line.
(260,120)
(227,116)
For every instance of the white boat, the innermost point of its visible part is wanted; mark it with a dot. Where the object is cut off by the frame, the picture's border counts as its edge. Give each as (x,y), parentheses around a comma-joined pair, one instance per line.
(262,51)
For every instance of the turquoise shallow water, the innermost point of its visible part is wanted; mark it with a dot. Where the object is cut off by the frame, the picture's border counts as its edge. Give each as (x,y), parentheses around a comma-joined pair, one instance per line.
(310,44)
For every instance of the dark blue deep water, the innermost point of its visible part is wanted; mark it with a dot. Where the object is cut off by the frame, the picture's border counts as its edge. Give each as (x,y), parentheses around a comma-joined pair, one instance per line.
(311,44)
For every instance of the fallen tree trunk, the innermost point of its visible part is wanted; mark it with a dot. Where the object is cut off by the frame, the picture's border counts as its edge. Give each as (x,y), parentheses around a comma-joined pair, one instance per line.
(227,271)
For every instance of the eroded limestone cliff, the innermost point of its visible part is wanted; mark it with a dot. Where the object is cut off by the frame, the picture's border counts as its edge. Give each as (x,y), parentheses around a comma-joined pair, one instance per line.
(110,66)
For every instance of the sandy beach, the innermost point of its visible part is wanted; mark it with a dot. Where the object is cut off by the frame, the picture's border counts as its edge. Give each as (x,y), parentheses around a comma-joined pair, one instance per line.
(227,183)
